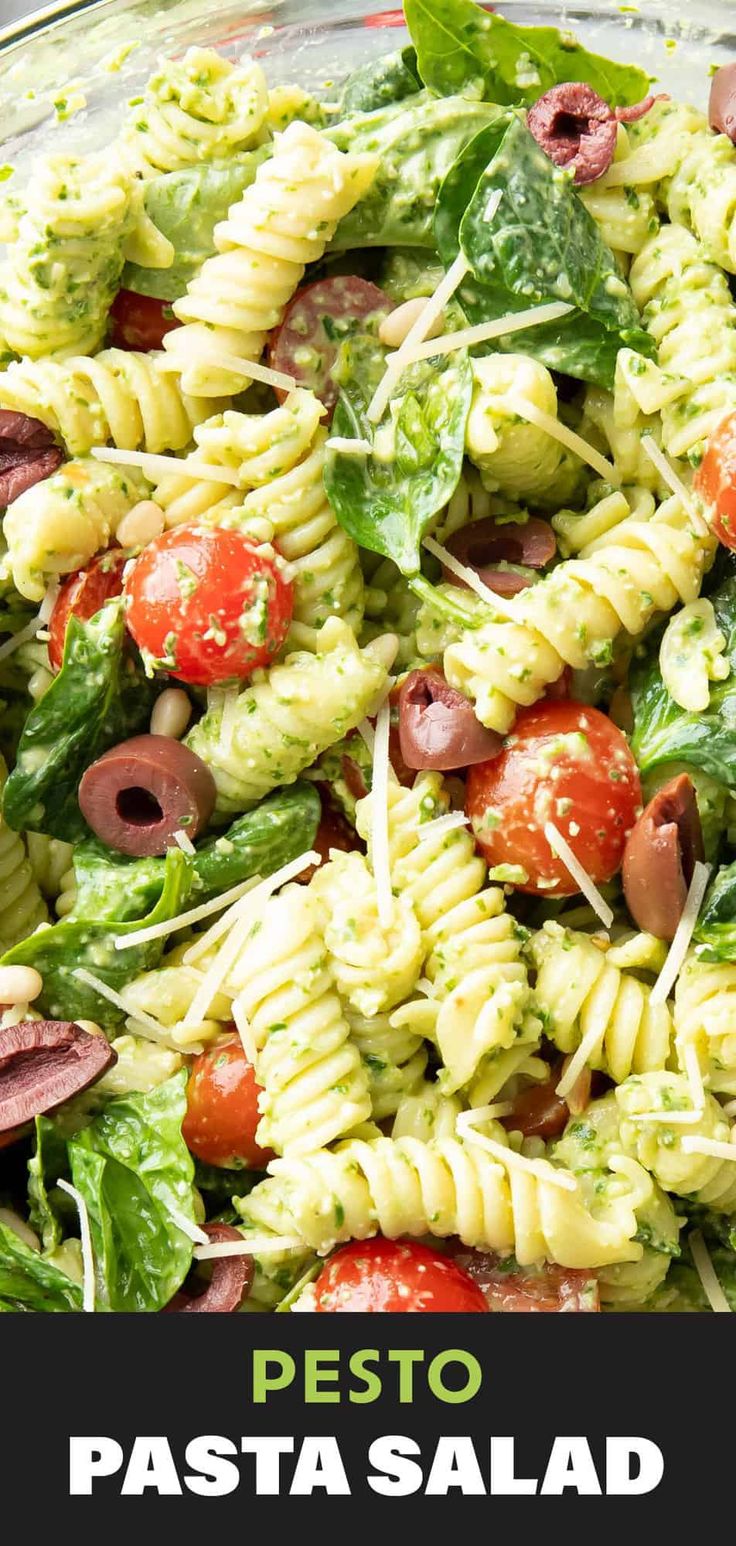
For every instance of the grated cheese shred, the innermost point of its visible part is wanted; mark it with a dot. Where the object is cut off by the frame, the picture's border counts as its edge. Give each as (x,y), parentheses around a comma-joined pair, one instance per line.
(417,334)
(485,332)
(683,935)
(567,437)
(88,1261)
(707,1274)
(216,904)
(674,482)
(500,604)
(588,888)
(466,1129)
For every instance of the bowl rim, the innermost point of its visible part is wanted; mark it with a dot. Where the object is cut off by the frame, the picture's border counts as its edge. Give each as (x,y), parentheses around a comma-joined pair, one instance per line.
(25,26)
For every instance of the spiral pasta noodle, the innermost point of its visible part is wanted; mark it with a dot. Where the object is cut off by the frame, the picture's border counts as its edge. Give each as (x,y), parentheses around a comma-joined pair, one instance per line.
(480,993)
(289,715)
(119,395)
(584,999)
(58,525)
(444,1187)
(49,858)
(314,1083)
(658,1144)
(513,455)
(619,581)
(691,172)
(22,907)
(194,109)
(426,1113)
(283,221)
(705,1017)
(626,215)
(394,1060)
(62,272)
(374,965)
(686,305)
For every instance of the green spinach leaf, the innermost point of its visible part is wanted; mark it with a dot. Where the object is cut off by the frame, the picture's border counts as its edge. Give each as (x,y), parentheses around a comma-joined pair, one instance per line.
(49,1208)
(388,79)
(387,501)
(132,1168)
(539,245)
(417,142)
(715,934)
(663,732)
(99,698)
(463,47)
(89,942)
(30,1282)
(186,206)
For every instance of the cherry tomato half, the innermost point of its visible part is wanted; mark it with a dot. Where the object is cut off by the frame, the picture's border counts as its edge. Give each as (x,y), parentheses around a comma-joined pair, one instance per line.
(525,1289)
(393,1275)
(140,321)
(207,605)
(715,480)
(222,1109)
(567,764)
(320,316)
(81,595)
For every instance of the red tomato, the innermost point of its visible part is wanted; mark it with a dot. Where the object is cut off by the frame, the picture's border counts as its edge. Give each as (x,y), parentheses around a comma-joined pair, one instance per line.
(567,764)
(715,480)
(222,1109)
(320,316)
(140,321)
(206,605)
(82,594)
(392,1275)
(542,1288)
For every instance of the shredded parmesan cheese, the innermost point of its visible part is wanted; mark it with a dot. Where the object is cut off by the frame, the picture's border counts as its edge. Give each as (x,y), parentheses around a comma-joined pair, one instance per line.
(245,1032)
(683,935)
(578,1061)
(484,332)
(448,823)
(367,734)
(21,637)
(192,1231)
(694,1077)
(465,1129)
(88,1261)
(674,482)
(721,1151)
(146,1022)
(379,817)
(567,437)
(155,466)
(258,1245)
(237,367)
(500,604)
(184,843)
(416,335)
(186,920)
(707,1274)
(587,887)
(680,1118)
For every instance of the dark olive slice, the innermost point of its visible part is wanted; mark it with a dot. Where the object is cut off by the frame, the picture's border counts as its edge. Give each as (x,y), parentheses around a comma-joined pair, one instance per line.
(230,1284)
(722,104)
(438,728)
(660,856)
(484,545)
(576,129)
(27,454)
(45,1062)
(139,794)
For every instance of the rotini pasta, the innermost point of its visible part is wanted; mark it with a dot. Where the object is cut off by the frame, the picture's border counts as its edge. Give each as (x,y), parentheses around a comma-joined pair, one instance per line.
(620,581)
(705,1018)
(660,1144)
(584,999)
(480,995)
(514,456)
(49,858)
(374,966)
(314,1083)
(62,271)
(444,1187)
(287,716)
(119,396)
(22,907)
(194,109)
(692,172)
(687,306)
(394,1060)
(426,1113)
(58,525)
(282,222)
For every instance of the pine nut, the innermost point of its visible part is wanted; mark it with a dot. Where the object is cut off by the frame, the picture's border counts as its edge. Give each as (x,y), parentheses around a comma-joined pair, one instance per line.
(171,713)
(397,324)
(141,525)
(91,1027)
(19,984)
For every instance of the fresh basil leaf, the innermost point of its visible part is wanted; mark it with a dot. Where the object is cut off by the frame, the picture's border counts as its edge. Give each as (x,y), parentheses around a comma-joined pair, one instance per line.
(715,934)
(462,47)
(283,826)
(387,504)
(90,943)
(99,698)
(416,142)
(388,79)
(186,206)
(132,1168)
(540,245)
(663,732)
(30,1282)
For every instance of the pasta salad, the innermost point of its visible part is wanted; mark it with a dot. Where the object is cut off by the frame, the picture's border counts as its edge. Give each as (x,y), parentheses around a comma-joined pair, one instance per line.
(367,687)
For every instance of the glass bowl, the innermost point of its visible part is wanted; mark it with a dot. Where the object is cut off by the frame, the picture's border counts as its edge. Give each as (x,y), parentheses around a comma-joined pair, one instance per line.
(92,55)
